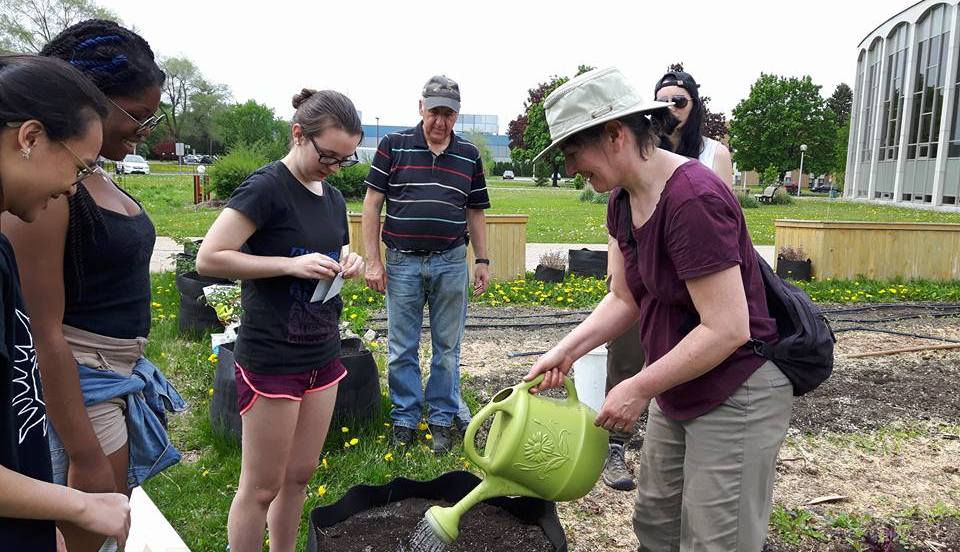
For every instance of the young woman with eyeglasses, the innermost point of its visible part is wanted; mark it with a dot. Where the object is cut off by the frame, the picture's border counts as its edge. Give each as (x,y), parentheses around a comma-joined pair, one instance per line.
(283,230)
(85,265)
(50,133)
(684,123)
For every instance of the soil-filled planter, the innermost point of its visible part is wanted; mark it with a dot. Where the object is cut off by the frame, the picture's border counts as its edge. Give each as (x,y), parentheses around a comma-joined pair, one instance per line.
(449,487)
(548,274)
(195,315)
(795,270)
(224,413)
(584,262)
(358,394)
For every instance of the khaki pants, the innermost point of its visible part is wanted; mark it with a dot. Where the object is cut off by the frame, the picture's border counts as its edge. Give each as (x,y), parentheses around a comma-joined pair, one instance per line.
(625,358)
(706,484)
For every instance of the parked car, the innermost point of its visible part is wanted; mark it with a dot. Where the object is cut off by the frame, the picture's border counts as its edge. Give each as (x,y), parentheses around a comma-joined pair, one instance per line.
(822,187)
(206,159)
(133,164)
(190,159)
(508,175)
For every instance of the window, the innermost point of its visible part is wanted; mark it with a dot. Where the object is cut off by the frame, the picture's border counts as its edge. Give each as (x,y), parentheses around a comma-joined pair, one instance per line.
(933,38)
(893,95)
(870,103)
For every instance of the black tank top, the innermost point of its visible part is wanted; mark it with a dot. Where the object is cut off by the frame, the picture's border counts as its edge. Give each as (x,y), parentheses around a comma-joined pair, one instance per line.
(110,295)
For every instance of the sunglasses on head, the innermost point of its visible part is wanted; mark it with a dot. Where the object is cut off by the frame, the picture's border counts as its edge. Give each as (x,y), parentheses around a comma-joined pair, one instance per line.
(678,101)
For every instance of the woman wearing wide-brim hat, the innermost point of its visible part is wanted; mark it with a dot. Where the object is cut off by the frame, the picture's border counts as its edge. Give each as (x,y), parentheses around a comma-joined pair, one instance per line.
(681,261)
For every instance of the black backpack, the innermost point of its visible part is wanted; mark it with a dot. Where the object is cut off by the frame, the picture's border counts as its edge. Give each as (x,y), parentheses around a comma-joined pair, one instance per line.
(804,352)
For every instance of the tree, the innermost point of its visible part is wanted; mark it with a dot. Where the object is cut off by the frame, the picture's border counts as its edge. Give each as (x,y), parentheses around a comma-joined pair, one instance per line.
(841,103)
(27,25)
(253,125)
(529,133)
(486,156)
(778,116)
(182,80)
(197,121)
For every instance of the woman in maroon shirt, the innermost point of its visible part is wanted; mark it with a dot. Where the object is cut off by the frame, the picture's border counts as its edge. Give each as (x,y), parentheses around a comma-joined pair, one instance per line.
(681,262)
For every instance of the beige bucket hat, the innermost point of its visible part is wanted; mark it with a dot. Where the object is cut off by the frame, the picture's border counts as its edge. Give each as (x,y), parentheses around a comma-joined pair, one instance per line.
(589,100)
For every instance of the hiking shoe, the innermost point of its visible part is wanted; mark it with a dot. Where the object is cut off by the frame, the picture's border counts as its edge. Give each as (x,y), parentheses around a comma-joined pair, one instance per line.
(440,439)
(616,474)
(403,436)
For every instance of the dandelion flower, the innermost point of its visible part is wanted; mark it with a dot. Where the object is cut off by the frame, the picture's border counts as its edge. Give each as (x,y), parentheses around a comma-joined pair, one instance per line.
(321,490)
(428,436)
(345,429)
(388,457)
(212,357)
(354,441)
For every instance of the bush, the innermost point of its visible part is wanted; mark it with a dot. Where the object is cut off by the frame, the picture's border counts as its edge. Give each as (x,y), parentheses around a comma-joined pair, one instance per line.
(769,175)
(747,201)
(579,182)
(541,181)
(350,180)
(232,169)
(782,198)
(591,196)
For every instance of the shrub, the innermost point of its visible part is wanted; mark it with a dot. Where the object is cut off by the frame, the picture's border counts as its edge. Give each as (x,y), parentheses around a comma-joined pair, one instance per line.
(350,180)
(747,201)
(232,169)
(782,198)
(579,182)
(591,196)
(769,175)
(541,181)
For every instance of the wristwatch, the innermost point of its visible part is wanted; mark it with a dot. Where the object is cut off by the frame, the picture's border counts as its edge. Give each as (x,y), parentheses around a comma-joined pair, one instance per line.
(481,260)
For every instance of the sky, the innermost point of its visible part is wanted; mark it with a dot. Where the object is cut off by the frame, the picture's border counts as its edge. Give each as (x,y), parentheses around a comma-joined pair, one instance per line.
(381,53)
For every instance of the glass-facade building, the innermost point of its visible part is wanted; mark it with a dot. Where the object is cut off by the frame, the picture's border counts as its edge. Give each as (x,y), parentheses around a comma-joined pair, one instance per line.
(467,123)
(905,123)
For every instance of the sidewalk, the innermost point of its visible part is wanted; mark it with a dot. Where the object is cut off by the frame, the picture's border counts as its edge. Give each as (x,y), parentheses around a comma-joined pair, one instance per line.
(166,248)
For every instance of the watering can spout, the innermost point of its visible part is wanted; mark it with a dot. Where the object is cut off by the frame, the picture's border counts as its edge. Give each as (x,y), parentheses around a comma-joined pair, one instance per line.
(537,447)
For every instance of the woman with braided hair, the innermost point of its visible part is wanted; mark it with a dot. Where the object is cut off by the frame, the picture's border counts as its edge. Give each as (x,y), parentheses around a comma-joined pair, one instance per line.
(85,269)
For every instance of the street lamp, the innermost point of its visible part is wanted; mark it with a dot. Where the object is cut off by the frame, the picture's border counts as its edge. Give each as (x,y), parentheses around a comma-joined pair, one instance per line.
(803,149)
(378,132)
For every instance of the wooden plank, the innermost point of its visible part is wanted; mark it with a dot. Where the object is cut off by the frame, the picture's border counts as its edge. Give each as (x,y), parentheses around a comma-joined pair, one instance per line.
(506,244)
(846,250)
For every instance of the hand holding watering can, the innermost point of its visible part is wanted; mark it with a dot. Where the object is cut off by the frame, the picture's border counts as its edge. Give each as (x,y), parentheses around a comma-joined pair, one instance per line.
(624,403)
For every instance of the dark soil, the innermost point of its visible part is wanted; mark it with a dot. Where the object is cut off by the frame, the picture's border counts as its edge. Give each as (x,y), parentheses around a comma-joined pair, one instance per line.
(919,534)
(483,528)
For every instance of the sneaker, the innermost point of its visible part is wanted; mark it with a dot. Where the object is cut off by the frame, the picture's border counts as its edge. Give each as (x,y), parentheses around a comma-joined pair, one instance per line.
(403,436)
(616,474)
(440,440)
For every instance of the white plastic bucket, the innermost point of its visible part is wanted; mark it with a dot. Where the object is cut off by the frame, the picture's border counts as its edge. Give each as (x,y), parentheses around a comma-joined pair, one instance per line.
(590,377)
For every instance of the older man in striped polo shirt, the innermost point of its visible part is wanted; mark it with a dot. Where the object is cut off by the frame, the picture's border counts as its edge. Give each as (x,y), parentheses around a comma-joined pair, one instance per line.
(432,182)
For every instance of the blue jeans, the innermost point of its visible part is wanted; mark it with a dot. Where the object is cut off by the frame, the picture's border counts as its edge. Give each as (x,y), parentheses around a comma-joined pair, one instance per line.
(440,281)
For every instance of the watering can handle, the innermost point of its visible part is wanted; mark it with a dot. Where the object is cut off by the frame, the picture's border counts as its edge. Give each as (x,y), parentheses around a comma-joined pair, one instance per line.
(567,383)
(483,462)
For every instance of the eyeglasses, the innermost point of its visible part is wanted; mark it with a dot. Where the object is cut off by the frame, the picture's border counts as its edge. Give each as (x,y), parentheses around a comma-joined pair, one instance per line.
(84,170)
(679,101)
(145,126)
(330,161)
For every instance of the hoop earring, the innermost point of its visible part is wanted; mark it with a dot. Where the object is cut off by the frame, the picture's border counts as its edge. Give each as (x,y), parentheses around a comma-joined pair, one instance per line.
(25,152)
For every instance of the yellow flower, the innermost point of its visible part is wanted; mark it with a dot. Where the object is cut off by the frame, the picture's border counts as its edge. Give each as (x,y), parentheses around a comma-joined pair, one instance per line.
(324,464)
(205,473)
(354,441)
(212,357)
(210,391)
(345,429)
(321,490)
(155,305)
(388,457)
(352,316)
(428,436)
(422,426)
(353,297)
(346,444)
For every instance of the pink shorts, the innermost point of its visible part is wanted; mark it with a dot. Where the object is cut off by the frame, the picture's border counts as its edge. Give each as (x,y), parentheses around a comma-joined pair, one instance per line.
(251,385)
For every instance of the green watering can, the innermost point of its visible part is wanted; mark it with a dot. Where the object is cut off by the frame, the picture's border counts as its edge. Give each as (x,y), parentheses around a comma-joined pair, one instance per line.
(537,446)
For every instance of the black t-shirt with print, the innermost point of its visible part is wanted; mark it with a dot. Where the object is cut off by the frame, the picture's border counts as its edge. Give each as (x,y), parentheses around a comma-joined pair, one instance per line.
(282,332)
(23,417)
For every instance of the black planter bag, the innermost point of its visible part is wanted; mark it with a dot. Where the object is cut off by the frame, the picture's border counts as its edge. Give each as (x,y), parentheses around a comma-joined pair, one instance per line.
(804,352)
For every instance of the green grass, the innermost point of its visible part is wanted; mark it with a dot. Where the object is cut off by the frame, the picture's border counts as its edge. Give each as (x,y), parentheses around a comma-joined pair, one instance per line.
(555,214)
